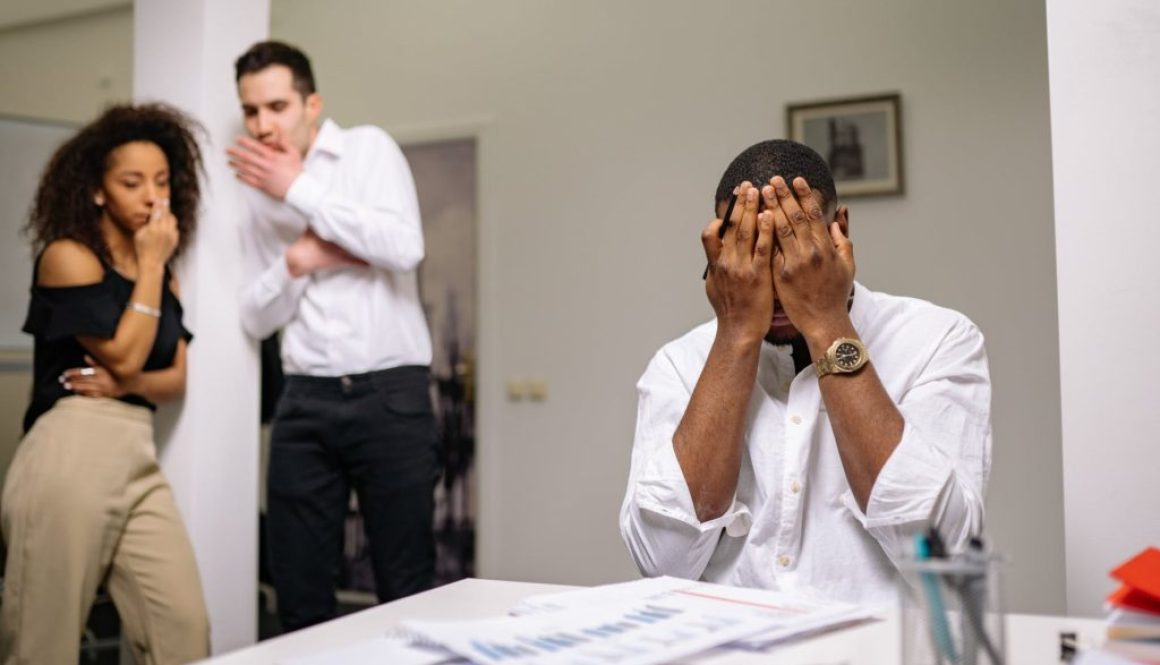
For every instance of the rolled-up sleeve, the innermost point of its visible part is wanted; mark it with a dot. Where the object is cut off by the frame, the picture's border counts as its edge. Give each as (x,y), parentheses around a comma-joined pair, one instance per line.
(938,472)
(657,519)
(269,294)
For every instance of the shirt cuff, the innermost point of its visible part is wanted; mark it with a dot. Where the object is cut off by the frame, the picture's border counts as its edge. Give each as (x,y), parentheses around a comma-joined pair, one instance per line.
(278,280)
(306,194)
(662,491)
(907,487)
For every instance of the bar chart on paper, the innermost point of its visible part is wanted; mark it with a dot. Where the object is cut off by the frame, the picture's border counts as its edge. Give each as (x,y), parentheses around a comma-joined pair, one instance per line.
(658,630)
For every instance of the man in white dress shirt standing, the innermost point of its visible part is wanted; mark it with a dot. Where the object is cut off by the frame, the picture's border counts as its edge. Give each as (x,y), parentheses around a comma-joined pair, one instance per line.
(799,440)
(330,254)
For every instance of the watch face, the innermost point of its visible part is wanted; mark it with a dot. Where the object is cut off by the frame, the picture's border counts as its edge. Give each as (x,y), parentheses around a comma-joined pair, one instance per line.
(847,355)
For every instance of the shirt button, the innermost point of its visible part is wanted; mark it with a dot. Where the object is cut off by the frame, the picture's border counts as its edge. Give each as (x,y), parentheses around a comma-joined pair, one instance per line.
(783,561)
(785,387)
(797,420)
(795,487)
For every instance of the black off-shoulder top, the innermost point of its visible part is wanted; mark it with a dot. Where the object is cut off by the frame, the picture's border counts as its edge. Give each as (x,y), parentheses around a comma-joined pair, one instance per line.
(57,315)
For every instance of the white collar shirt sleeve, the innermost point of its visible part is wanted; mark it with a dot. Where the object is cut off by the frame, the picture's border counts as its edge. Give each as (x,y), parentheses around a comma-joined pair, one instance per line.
(794,524)
(356,190)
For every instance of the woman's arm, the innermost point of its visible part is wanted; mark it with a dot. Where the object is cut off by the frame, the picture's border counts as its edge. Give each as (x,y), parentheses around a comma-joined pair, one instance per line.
(157,386)
(163,385)
(67,263)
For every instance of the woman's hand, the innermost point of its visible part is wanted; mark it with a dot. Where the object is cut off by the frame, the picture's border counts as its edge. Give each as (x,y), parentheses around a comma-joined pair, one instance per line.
(157,239)
(93,381)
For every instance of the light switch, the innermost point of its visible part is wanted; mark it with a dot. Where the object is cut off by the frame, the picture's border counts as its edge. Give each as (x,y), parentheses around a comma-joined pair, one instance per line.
(517,390)
(537,390)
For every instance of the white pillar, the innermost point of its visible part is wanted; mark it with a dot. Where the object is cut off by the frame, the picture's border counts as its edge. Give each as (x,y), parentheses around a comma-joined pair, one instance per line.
(183,53)
(1104,62)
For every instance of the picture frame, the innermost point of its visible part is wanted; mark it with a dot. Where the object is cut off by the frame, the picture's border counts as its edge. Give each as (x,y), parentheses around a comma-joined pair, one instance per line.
(859,137)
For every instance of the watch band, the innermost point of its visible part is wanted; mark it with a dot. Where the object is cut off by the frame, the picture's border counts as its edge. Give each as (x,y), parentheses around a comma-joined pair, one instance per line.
(836,360)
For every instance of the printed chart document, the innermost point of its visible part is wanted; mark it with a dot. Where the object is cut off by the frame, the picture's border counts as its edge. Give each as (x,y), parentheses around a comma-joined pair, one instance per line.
(394,650)
(635,623)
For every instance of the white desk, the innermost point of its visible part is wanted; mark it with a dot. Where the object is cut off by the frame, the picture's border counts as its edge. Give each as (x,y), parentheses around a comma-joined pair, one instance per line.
(1031,640)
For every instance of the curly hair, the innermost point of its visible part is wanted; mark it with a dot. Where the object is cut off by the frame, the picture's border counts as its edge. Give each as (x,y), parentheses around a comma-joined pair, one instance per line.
(64,206)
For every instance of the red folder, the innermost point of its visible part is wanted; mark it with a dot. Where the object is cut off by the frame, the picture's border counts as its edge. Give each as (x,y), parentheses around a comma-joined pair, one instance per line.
(1140,577)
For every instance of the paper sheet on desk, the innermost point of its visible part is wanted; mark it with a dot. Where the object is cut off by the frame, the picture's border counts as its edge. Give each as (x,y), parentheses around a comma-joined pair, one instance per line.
(393,650)
(638,623)
(801,616)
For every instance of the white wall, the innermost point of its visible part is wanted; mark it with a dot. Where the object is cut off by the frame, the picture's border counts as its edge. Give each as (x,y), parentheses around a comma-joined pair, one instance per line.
(603,129)
(67,69)
(1105,102)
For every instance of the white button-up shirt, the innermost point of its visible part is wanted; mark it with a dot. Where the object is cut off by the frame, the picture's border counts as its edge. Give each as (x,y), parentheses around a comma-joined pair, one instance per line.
(356,191)
(794,524)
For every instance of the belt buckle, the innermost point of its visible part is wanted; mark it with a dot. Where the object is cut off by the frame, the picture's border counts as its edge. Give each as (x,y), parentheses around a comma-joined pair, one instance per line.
(346,384)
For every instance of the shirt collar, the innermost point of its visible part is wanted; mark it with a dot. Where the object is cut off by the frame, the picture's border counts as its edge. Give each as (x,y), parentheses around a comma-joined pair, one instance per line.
(328,140)
(858,310)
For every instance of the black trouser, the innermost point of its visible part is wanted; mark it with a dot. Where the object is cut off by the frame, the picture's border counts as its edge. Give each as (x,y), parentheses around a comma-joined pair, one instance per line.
(375,432)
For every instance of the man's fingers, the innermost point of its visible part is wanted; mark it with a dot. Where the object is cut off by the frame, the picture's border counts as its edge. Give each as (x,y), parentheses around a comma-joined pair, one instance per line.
(747,229)
(711,242)
(248,159)
(782,229)
(247,168)
(815,217)
(255,146)
(789,205)
(251,180)
(778,265)
(842,245)
(764,245)
(738,242)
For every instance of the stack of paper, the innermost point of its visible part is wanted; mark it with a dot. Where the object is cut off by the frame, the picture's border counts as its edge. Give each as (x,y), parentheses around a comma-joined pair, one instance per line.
(635,623)
(385,649)
(1134,608)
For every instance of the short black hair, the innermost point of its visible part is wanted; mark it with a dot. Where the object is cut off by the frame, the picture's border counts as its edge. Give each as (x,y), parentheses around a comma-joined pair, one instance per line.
(788,159)
(269,53)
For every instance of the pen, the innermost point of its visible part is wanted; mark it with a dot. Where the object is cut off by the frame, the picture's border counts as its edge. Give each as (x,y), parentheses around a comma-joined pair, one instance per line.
(973,589)
(724,227)
(940,632)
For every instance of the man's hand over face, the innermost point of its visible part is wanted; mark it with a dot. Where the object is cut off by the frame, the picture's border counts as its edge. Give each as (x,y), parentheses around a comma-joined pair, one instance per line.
(310,253)
(270,168)
(739,284)
(813,265)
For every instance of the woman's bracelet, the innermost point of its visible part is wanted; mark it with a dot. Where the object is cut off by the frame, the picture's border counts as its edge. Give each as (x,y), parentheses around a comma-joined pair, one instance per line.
(144,309)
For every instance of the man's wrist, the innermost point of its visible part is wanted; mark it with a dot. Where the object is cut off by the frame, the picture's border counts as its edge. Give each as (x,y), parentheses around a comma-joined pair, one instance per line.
(820,337)
(737,341)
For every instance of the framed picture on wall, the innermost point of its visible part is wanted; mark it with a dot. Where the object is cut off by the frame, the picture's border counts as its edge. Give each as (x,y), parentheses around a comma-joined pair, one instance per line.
(860,138)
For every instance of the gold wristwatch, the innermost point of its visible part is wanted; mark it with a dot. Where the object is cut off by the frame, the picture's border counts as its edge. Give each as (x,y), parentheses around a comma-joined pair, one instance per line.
(845,356)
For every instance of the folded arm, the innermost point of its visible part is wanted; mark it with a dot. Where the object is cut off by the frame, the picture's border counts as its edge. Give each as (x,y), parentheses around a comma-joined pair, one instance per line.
(658,519)
(66,263)
(937,472)
(381,225)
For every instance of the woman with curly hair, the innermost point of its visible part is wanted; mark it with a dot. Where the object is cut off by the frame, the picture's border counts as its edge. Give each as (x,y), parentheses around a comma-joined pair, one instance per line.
(84,502)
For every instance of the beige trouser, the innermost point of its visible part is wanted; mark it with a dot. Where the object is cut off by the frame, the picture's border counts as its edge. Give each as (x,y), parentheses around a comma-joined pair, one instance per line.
(85,503)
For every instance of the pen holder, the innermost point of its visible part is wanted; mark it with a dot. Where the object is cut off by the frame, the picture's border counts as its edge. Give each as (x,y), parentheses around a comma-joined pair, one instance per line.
(951,611)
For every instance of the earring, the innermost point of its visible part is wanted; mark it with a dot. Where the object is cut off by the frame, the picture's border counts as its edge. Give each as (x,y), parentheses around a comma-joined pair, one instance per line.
(99,200)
